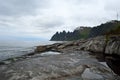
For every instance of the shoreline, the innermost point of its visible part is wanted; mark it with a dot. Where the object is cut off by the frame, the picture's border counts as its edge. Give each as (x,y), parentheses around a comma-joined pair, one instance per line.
(81,60)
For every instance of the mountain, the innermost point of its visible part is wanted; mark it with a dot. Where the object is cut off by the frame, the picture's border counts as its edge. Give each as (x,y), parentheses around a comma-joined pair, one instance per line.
(111,27)
(78,33)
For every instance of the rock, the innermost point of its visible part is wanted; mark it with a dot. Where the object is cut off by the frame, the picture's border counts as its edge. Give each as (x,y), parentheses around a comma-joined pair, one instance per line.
(99,45)
(112,54)
(67,44)
(52,47)
(88,75)
(41,49)
(104,63)
(113,46)
(42,68)
(57,67)
(2,63)
(57,44)
(94,45)
(7,62)
(66,66)
(114,63)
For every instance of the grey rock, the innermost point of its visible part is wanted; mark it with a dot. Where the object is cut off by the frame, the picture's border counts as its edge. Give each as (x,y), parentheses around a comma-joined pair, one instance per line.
(58,67)
(113,46)
(94,45)
(88,75)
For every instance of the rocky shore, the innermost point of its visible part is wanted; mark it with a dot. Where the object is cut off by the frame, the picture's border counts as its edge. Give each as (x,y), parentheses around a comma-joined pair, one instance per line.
(77,60)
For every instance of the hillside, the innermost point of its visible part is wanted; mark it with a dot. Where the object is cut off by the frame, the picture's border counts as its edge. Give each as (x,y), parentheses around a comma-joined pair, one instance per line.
(115,31)
(104,28)
(78,33)
(111,27)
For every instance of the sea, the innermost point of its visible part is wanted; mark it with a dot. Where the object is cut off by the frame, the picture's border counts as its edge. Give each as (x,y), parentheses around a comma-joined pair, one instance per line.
(11,49)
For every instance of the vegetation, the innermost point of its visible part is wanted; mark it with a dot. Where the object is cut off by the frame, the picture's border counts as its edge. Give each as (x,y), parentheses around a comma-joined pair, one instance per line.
(104,29)
(80,33)
(115,31)
(108,28)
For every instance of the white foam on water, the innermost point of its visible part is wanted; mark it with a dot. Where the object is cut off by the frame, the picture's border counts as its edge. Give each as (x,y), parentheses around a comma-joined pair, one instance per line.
(49,53)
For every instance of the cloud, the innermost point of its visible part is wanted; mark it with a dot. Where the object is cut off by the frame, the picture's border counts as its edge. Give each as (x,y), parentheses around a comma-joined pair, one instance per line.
(19,7)
(42,18)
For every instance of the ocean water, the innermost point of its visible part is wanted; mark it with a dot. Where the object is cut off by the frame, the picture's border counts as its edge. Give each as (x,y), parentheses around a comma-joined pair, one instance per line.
(10,49)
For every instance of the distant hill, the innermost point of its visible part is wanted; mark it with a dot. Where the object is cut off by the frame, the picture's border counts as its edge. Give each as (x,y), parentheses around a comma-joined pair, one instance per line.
(78,33)
(112,27)
(104,28)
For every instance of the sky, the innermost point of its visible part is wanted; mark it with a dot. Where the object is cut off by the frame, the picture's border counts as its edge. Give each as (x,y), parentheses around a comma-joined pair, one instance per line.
(40,19)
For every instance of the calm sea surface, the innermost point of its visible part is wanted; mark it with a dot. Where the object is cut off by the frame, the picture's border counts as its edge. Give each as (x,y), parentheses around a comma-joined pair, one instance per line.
(11,49)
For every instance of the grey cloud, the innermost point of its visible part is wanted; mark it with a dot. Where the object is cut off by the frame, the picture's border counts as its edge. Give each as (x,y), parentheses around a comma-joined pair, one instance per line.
(37,17)
(84,1)
(20,7)
(55,24)
(50,24)
(112,5)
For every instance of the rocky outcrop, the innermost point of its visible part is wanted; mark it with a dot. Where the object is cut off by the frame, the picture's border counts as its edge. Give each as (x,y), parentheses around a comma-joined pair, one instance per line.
(113,61)
(53,47)
(56,47)
(102,45)
(109,47)
(94,45)
(72,66)
(74,63)
(67,44)
(113,46)
(112,54)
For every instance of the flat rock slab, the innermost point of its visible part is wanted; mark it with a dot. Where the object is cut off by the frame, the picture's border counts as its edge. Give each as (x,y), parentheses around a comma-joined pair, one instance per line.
(55,67)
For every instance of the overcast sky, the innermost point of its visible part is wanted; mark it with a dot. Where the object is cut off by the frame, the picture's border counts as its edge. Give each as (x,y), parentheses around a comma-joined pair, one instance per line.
(40,19)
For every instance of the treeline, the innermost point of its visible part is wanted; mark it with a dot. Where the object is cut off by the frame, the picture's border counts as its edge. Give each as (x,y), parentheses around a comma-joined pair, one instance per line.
(112,27)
